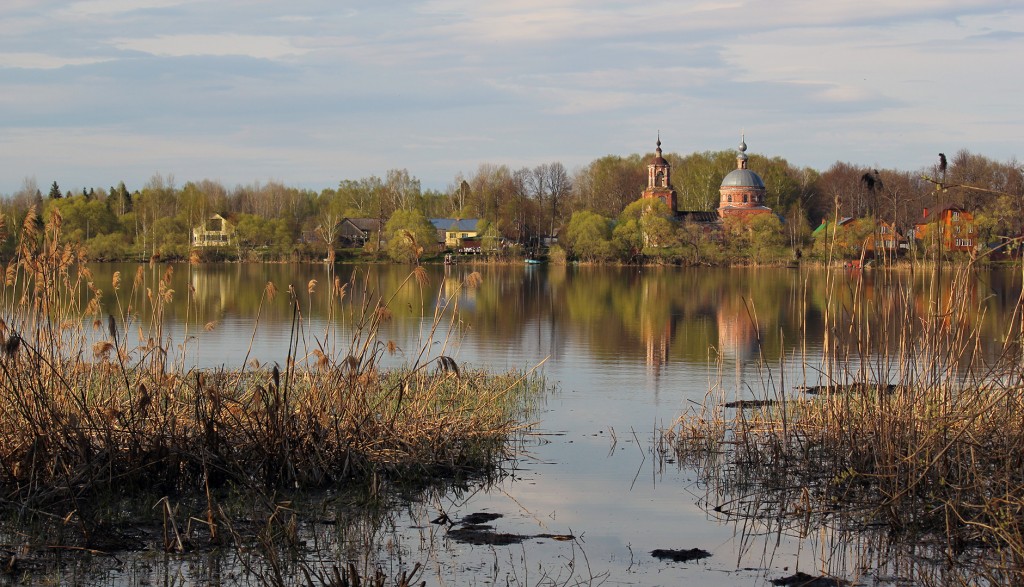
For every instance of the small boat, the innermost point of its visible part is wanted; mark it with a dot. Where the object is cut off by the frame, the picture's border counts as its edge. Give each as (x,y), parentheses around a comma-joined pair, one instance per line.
(532,261)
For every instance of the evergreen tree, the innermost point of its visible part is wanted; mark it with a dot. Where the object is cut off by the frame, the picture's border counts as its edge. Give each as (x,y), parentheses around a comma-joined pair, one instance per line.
(55,191)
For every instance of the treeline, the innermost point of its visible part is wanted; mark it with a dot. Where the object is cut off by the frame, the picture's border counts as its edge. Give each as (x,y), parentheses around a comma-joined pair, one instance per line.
(273,220)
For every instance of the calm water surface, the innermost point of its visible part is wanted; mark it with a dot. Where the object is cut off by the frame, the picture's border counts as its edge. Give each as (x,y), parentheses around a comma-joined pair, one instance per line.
(627,350)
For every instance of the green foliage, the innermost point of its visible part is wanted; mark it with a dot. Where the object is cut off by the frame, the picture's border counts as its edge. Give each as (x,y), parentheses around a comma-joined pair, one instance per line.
(409,236)
(843,241)
(490,238)
(588,236)
(645,228)
(758,238)
(171,238)
(524,204)
(767,241)
(258,237)
(628,238)
(1002,220)
(109,247)
(83,218)
(697,177)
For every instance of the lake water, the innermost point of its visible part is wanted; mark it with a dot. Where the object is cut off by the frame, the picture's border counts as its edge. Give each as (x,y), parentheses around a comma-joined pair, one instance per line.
(627,351)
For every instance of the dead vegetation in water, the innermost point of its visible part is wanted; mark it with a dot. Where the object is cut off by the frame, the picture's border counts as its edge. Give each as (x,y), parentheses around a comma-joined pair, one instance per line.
(93,425)
(912,448)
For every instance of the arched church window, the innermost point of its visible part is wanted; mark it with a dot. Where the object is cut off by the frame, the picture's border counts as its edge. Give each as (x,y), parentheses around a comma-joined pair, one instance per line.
(661,179)
(744,198)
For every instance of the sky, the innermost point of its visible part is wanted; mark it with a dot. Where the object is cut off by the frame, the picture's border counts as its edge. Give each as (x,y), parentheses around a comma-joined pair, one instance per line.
(311,92)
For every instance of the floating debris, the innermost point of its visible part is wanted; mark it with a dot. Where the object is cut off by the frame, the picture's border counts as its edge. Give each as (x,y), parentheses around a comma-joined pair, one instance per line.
(479,518)
(680,556)
(480,535)
(801,579)
(475,530)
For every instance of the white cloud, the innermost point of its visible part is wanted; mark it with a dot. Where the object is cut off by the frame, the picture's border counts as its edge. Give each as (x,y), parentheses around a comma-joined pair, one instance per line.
(44,61)
(534,80)
(229,44)
(89,8)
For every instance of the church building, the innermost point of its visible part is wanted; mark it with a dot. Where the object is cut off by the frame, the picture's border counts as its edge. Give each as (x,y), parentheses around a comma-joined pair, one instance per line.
(742,193)
(659,180)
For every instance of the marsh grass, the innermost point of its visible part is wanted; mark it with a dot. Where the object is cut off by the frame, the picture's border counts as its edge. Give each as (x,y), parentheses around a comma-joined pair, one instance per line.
(908,457)
(100,436)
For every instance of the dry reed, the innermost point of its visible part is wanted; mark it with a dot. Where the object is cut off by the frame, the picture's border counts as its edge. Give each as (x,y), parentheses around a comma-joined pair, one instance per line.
(913,444)
(88,424)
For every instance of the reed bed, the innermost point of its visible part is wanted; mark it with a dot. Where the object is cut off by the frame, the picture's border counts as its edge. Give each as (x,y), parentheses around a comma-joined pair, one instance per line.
(91,424)
(909,452)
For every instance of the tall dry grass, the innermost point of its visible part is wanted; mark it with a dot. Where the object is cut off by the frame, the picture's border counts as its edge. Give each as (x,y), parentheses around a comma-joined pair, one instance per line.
(85,425)
(909,455)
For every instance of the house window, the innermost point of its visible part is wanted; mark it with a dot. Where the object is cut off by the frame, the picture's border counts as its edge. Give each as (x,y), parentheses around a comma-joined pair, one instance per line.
(956,216)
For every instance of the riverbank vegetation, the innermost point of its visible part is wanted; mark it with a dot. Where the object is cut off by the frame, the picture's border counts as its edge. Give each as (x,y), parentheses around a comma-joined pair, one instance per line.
(588,209)
(905,458)
(104,434)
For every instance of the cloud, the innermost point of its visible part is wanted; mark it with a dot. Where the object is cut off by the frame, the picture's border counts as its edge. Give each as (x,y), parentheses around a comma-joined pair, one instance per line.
(520,82)
(89,8)
(44,61)
(229,44)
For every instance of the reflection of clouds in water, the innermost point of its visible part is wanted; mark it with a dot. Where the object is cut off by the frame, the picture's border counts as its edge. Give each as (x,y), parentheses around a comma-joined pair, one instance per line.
(600,346)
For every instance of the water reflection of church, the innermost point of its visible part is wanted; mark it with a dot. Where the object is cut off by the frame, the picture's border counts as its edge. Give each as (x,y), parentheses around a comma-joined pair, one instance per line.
(737,333)
(736,341)
(741,195)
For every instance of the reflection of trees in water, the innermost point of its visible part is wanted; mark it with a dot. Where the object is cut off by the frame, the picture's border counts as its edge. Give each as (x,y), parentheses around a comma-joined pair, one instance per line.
(879,306)
(652,314)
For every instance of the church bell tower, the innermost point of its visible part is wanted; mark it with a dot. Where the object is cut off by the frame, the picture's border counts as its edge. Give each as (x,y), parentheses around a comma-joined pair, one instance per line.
(659,180)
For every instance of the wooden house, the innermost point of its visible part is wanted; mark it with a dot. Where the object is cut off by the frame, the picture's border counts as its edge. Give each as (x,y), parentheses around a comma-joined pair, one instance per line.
(452,231)
(216,231)
(356,231)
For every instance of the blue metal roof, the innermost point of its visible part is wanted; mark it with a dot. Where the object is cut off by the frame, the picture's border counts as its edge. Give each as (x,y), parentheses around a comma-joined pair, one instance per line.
(742,178)
(458,224)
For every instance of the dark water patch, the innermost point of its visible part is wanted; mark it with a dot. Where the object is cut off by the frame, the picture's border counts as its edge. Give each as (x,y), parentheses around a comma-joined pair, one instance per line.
(801,579)
(559,537)
(474,529)
(683,555)
(481,537)
(479,518)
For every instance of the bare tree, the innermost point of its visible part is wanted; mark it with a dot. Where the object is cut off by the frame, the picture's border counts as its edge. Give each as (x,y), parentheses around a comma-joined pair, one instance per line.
(401,189)
(559,186)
